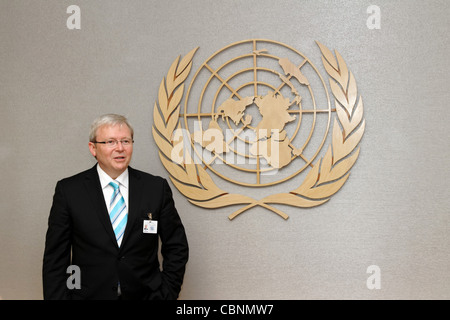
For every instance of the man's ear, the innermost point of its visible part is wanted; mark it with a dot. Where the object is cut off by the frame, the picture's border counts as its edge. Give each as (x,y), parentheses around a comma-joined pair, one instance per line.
(93,149)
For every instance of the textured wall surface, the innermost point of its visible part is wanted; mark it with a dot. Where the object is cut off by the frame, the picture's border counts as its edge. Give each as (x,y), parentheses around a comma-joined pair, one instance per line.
(393,211)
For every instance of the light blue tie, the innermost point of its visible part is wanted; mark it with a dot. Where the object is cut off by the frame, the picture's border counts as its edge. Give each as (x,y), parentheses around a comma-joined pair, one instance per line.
(118,212)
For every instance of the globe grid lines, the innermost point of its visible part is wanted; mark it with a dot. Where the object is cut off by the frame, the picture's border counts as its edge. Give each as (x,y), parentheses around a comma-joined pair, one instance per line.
(215,73)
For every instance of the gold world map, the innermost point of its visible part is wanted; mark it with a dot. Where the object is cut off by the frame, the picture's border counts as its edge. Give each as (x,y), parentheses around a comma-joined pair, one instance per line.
(271,141)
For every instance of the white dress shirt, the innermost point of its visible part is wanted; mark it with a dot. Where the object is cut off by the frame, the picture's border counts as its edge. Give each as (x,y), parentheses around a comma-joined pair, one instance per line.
(108,190)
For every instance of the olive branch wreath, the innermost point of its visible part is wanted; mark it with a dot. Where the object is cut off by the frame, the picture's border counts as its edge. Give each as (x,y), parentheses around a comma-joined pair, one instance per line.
(325,178)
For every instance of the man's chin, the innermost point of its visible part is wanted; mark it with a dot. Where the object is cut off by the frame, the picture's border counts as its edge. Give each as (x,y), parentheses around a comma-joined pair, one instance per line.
(121,168)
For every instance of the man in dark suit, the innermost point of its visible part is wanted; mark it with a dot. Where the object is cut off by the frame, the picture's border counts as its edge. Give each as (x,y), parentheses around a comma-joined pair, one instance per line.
(107,220)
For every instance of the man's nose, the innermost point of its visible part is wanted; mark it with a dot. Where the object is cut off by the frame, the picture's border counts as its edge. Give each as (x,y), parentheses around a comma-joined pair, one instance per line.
(119,145)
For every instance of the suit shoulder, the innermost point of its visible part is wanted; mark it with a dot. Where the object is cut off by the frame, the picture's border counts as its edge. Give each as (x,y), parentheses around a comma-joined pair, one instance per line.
(76,177)
(147,176)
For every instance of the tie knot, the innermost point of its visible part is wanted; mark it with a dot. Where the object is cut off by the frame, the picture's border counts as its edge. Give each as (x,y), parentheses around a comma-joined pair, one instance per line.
(114,185)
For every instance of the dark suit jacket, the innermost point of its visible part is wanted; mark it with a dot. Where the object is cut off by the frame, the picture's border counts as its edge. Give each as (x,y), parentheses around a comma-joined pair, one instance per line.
(80,233)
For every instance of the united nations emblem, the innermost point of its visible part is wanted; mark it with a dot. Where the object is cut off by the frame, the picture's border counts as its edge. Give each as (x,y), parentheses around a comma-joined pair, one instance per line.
(257,113)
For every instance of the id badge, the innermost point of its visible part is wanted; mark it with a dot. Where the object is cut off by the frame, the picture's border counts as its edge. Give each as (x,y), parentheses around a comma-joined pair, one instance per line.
(150,226)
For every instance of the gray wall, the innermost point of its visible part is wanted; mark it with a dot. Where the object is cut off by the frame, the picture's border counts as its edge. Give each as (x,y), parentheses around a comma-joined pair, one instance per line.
(393,212)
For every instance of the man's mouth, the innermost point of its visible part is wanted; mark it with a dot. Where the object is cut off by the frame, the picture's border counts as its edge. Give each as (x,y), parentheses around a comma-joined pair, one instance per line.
(120,158)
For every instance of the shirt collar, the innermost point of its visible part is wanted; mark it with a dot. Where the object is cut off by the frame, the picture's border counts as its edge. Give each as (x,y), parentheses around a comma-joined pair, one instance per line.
(105,179)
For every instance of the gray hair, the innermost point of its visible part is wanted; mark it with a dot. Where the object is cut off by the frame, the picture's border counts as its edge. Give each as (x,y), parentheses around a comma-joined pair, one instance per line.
(108,119)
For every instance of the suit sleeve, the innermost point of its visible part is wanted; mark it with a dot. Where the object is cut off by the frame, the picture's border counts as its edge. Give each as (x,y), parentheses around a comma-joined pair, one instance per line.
(174,245)
(57,248)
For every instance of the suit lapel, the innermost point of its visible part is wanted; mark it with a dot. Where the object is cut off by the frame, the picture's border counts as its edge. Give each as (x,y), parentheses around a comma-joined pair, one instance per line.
(94,189)
(135,191)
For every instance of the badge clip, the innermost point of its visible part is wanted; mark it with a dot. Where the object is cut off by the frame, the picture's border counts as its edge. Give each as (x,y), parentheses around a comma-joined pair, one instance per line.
(150,226)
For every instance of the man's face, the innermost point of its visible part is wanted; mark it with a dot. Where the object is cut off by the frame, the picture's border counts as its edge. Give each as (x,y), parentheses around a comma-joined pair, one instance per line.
(113,160)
